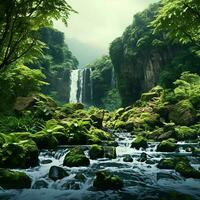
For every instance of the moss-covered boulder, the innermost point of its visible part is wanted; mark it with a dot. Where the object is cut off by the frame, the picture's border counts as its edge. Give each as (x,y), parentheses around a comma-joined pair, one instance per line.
(96,151)
(183,133)
(19,155)
(14,180)
(110,152)
(76,158)
(107,181)
(56,173)
(186,170)
(167,146)
(182,113)
(139,142)
(166,164)
(45,140)
(97,118)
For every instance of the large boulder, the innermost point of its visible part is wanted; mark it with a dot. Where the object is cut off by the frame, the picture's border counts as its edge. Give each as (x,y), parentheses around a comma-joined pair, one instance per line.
(19,155)
(76,158)
(96,151)
(182,113)
(56,173)
(44,140)
(167,146)
(14,180)
(186,170)
(139,142)
(23,103)
(97,118)
(107,181)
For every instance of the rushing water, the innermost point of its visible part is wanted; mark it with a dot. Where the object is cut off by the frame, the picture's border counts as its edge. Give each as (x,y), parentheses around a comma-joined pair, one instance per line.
(81,86)
(141,180)
(74,86)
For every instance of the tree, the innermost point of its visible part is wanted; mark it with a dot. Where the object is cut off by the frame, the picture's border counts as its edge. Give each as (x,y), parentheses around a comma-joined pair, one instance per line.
(19,22)
(180,19)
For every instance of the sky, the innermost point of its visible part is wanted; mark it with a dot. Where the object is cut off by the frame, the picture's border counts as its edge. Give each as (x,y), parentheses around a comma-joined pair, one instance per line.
(99,22)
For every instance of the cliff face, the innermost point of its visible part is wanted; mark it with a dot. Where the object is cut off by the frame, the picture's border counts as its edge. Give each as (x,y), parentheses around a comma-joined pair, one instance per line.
(140,57)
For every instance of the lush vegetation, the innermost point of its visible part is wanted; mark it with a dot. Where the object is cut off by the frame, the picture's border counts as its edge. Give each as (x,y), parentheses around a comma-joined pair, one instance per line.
(103,81)
(56,64)
(153,68)
(155,57)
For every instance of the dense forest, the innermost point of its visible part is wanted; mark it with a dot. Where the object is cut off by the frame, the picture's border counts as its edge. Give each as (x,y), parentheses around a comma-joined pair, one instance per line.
(125,126)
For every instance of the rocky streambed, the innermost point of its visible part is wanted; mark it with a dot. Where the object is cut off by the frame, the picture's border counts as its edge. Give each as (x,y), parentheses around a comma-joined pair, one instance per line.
(136,168)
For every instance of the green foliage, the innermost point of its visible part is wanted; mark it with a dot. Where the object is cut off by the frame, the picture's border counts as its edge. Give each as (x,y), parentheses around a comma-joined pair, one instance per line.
(180,19)
(103,80)
(112,100)
(143,57)
(18,81)
(19,24)
(56,63)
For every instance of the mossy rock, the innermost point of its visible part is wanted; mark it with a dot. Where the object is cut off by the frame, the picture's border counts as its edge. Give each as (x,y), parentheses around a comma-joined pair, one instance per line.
(14,180)
(56,173)
(149,96)
(61,138)
(31,153)
(102,135)
(166,164)
(70,108)
(45,141)
(183,113)
(107,181)
(120,125)
(110,152)
(76,158)
(170,163)
(97,118)
(19,155)
(196,152)
(186,170)
(167,146)
(185,133)
(96,151)
(139,142)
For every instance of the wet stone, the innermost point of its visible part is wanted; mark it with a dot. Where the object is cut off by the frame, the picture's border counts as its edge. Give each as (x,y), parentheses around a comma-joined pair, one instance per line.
(128,158)
(44,162)
(40,184)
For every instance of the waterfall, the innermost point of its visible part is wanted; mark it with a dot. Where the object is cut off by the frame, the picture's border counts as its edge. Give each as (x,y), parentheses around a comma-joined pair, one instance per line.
(81,86)
(74,77)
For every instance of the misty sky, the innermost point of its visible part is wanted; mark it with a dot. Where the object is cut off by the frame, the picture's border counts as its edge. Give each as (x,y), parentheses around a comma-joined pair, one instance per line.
(101,21)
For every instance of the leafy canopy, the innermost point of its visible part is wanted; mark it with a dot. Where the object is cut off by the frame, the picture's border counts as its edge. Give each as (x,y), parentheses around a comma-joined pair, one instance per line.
(180,19)
(19,22)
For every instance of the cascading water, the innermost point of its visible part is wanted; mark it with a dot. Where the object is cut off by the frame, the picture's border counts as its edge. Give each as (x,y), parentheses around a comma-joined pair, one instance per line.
(81,86)
(74,86)
(142,180)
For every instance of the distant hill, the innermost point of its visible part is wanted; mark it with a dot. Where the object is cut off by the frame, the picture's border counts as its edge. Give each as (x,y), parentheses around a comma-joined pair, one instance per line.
(85,53)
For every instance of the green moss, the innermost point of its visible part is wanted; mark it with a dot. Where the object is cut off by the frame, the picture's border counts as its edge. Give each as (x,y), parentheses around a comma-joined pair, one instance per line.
(187,170)
(139,142)
(185,133)
(19,155)
(110,152)
(106,181)
(14,180)
(182,113)
(75,158)
(167,146)
(44,140)
(96,151)
(166,164)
